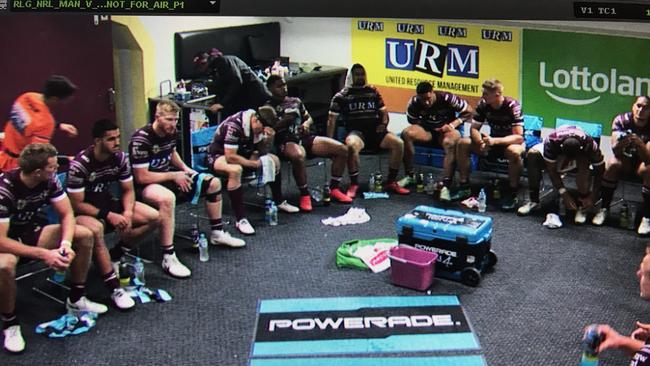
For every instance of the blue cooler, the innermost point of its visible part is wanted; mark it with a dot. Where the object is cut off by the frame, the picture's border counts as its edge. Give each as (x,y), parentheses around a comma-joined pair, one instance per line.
(461,240)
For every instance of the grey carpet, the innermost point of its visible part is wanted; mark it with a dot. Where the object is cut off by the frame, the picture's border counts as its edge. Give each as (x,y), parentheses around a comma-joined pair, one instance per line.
(546,287)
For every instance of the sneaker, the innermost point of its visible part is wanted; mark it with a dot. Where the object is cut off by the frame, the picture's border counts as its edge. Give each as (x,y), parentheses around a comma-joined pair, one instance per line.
(352,190)
(220,237)
(394,187)
(287,207)
(121,299)
(600,217)
(644,226)
(245,227)
(14,341)
(305,203)
(83,304)
(408,180)
(340,196)
(509,203)
(527,208)
(445,195)
(173,267)
(581,217)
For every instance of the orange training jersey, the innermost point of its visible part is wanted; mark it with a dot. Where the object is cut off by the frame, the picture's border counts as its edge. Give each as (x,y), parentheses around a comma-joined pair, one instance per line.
(30,121)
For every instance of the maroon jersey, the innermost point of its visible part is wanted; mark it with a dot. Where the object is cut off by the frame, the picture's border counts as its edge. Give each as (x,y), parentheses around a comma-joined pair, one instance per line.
(443,111)
(94,177)
(501,120)
(359,107)
(19,205)
(235,132)
(290,132)
(148,150)
(625,122)
(553,144)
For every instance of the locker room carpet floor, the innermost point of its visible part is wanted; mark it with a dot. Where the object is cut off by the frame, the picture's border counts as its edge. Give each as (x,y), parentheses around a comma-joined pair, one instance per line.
(547,285)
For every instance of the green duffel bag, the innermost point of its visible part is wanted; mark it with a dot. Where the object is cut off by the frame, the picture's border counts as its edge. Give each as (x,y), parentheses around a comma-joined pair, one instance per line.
(345,258)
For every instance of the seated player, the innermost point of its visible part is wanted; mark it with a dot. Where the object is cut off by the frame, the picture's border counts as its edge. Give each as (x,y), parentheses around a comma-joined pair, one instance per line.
(366,126)
(565,148)
(635,345)
(239,144)
(153,154)
(91,174)
(436,118)
(23,193)
(296,142)
(506,138)
(631,148)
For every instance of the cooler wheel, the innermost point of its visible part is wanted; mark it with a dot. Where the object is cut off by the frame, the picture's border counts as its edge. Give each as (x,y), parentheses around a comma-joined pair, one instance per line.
(492,259)
(470,276)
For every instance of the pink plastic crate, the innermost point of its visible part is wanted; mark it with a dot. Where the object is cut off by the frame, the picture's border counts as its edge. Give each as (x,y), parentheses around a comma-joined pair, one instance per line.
(411,267)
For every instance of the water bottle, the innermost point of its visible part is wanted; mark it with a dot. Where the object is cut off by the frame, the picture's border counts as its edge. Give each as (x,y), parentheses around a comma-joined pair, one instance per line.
(58,276)
(327,195)
(419,183)
(316,193)
(590,343)
(274,214)
(482,201)
(496,192)
(204,256)
(429,184)
(124,275)
(138,269)
(625,216)
(194,235)
(632,211)
(378,182)
(371,183)
(268,211)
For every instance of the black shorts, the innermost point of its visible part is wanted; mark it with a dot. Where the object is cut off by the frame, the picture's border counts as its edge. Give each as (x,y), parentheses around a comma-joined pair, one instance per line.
(26,234)
(307,142)
(111,204)
(370,137)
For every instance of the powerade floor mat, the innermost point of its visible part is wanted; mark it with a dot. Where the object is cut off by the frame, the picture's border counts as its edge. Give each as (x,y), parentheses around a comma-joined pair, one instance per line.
(462,360)
(354,326)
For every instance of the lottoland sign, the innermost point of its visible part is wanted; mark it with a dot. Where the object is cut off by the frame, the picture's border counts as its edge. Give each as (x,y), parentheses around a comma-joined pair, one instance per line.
(584,77)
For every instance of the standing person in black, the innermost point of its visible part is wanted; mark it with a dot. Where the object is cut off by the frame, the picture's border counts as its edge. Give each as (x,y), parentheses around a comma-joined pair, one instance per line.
(237,87)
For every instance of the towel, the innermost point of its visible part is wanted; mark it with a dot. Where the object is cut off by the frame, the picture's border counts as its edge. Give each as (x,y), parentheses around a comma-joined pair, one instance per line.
(268,169)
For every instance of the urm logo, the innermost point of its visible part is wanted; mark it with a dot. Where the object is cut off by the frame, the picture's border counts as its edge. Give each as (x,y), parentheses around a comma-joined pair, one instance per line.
(430,58)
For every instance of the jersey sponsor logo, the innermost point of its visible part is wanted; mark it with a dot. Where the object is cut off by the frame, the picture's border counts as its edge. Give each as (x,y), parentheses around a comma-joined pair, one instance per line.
(454,32)
(582,78)
(410,28)
(155,149)
(92,177)
(362,106)
(496,35)
(370,26)
(431,58)
(20,204)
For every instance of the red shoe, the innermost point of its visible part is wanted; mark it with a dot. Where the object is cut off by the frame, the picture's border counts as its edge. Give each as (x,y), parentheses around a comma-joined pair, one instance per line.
(340,196)
(394,187)
(352,190)
(305,203)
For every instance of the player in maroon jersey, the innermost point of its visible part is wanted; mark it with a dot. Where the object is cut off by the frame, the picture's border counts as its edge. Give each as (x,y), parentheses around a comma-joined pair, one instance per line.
(631,148)
(296,142)
(24,192)
(506,138)
(153,155)
(90,177)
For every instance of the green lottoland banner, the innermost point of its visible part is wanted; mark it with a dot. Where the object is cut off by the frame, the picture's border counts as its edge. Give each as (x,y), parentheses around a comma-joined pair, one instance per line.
(582,77)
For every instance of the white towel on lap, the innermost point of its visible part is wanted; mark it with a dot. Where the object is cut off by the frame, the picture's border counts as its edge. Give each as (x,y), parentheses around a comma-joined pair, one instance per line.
(268,169)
